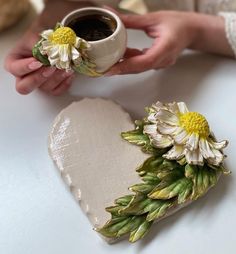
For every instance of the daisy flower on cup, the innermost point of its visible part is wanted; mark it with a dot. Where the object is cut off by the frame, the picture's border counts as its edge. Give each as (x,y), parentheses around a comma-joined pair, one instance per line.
(186,133)
(62,47)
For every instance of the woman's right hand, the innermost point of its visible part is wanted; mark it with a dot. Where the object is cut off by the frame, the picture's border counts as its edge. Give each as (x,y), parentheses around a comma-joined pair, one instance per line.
(30,73)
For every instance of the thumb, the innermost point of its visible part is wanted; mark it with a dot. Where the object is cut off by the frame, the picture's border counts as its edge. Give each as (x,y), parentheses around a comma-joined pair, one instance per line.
(150,59)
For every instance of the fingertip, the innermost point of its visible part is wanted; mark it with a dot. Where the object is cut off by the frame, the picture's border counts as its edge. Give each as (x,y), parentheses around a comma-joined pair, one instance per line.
(20,67)
(22,90)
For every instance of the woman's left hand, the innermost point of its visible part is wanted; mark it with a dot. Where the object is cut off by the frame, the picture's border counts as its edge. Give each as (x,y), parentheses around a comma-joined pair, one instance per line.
(172,31)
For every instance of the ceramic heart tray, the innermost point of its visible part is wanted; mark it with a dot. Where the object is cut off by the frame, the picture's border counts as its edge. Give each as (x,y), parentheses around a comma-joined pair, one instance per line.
(126,176)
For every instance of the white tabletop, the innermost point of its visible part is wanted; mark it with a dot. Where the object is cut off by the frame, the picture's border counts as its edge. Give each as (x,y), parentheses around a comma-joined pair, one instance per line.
(37,212)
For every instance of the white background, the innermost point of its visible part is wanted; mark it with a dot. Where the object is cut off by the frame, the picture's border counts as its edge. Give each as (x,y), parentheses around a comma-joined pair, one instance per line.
(37,212)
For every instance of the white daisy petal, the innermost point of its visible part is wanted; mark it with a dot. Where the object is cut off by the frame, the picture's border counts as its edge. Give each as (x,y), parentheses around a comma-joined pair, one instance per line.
(174,108)
(167,129)
(181,137)
(175,153)
(194,157)
(205,149)
(64,53)
(167,117)
(152,118)
(218,145)
(53,61)
(46,44)
(160,141)
(87,45)
(53,52)
(193,141)
(218,158)
(182,107)
(158,105)
(150,129)
(47,33)
(157,139)
(77,42)
(75,54)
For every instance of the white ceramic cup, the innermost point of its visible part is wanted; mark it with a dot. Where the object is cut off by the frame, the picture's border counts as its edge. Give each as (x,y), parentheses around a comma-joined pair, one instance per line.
(105,52)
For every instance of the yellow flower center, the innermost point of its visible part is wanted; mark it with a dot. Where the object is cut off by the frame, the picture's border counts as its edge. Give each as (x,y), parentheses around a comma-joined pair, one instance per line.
(63,35)
(194,122)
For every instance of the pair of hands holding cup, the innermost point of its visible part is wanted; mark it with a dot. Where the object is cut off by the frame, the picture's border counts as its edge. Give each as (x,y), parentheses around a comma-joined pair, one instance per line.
(172,32)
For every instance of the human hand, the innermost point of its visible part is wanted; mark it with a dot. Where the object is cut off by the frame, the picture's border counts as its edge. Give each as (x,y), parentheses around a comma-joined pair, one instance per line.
(30,73)
(172,32)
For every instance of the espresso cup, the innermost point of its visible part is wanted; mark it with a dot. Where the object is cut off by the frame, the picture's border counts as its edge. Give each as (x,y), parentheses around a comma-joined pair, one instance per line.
(107,51)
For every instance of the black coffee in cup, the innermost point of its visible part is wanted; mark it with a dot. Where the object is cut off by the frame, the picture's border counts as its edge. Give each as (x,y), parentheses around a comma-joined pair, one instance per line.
(93,27)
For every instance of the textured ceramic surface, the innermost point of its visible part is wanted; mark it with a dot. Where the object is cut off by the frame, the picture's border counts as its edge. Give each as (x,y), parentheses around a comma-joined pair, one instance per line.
(96,163)
(108,51)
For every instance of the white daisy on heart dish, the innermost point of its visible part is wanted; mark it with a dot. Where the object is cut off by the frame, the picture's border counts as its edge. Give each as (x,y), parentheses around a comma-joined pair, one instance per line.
(186,133)
(63,47)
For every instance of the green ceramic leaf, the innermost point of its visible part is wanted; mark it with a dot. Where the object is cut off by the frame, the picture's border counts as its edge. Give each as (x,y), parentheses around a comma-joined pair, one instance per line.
(114,210)
(133,224)
(124,201)
(112,227)
(37,54)
(116,219)
(151,178)
(186,192)
(136,206)
(150,165)
(138,138)
(168,165)
(87,68)
(140,232)
(190,171)
(170,191)
(170,177)
(203,178)
(161,208)
(143,188)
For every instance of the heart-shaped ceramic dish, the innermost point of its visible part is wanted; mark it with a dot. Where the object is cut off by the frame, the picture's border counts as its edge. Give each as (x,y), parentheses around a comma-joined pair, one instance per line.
(99,166)
(93,159)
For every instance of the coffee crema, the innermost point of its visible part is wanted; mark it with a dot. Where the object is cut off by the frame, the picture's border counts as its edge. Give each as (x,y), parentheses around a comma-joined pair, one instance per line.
(93,27)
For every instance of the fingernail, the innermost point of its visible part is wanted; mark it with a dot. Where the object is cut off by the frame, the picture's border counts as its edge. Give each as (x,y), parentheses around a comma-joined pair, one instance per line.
(48,72)
(35,65)
(67,73)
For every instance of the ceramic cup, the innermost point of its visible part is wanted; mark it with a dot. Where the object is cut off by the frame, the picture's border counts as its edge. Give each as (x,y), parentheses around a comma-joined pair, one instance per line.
(105,52)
